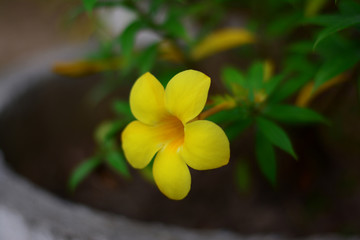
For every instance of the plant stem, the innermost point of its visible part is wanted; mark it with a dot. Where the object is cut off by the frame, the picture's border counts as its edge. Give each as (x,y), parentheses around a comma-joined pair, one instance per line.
(217,108)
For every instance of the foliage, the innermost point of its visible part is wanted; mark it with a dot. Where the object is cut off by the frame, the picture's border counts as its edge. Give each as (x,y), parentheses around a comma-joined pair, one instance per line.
(283,49)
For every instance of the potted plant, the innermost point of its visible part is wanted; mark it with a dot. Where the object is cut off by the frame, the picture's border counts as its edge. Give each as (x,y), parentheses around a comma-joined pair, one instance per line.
(277,71)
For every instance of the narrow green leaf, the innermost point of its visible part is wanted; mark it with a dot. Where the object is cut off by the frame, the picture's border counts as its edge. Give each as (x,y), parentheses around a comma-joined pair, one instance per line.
(89,4)
(323,20)
(289,87)
(115,128)
(232,77)
(235,129)
(147,58)
(293,114)
(117,162)
(222,116)
(299,63)
(283,24)
(345,22)
(108,130)
(302,47)
(101,132)
(349,7)
(147,173)
(122,108)
(275,135)
(242,176)
(265,156)
(168,72)
(127,38)
(335,66)
(271,85)
(256,75)
(82,171)
(174,26)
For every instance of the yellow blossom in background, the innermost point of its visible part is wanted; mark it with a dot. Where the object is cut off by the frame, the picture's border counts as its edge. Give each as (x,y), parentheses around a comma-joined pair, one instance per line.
(268,70)
(221,40)
(168,51)
(308,92)
(167,126)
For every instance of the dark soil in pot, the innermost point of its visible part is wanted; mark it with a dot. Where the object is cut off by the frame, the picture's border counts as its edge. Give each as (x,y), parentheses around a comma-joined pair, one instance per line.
(48,130)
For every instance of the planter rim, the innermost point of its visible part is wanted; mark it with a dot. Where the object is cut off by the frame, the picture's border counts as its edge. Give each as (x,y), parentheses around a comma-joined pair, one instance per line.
(39,211)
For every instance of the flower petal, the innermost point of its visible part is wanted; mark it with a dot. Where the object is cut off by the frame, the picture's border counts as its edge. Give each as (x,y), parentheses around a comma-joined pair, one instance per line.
(171,174)
(205,145)
(147,99)
(140,143)
(186,94)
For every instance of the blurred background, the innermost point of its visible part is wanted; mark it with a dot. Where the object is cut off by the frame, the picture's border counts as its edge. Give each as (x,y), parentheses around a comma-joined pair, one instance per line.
(30,27)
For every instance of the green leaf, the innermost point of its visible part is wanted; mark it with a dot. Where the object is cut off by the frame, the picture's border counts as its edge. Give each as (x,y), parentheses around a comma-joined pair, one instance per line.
(166,73)
(127,38)
(299,63)
(101,132)
(349,7)
(242,176)
(265,156)
(108,130)
(275,135)
(337,46)
(82,171)
(174,26)
(271,85)
(293,114)
(147,173)
(283,24)
(345,22)
(256,75)
(122,108)
(302,47)
(147,58)
(236,128)
(116,127)
(335,66)
(289,87)
(323,20)
(117,162)
(89,4)
(232,77)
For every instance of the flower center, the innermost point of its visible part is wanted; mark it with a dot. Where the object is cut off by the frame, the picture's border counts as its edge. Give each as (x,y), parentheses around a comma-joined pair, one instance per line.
(171,130)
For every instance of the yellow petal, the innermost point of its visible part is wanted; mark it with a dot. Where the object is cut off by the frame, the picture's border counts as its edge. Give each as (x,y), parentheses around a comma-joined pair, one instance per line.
(220,41)
(205,145)
(171,174)
(147,99)
(186,94)
(140,143)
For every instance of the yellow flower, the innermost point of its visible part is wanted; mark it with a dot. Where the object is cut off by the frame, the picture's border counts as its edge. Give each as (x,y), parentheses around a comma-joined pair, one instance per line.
(167,126)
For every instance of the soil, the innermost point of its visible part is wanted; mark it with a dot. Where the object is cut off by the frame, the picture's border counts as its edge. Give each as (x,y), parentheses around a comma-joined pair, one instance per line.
(48,130)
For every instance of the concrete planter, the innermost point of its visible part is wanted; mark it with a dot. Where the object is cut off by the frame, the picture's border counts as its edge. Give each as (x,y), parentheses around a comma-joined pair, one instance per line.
(30,213)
